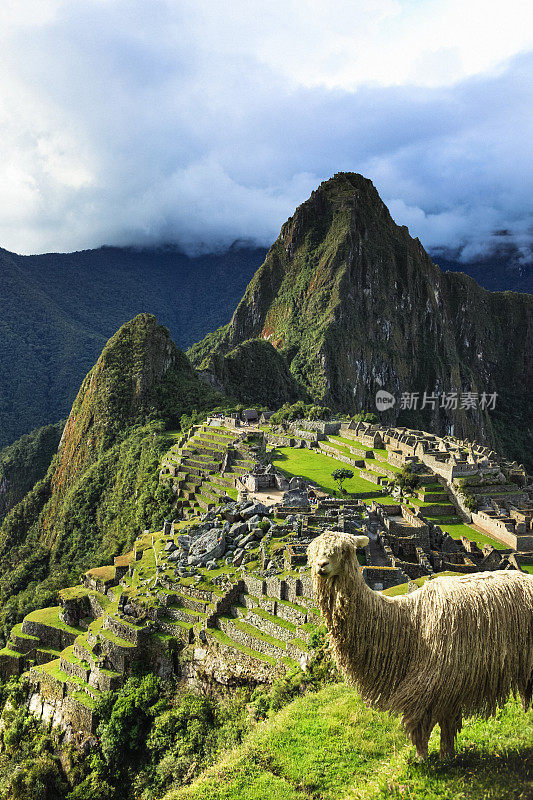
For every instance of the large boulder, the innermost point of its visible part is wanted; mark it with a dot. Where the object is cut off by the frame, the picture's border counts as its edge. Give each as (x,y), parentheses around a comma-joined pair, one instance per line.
(297,498)
(208,547)
(238,529)
(253,510)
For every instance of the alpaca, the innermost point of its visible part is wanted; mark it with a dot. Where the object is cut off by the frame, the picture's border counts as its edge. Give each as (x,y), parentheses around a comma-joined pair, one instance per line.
(458,645)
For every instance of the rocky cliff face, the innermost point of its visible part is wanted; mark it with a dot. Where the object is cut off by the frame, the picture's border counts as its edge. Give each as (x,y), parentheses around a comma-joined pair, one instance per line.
(354,304)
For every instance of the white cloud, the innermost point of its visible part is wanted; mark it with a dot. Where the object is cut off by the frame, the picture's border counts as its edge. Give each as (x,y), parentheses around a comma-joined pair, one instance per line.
(140,121)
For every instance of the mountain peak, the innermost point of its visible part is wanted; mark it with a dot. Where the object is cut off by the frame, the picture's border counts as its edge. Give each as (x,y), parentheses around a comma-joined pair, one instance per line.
(122,389)
(354,304)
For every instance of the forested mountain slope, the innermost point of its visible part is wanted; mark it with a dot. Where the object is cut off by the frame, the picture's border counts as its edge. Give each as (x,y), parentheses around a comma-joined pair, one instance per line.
(101,489)
(58,310)
(25,462)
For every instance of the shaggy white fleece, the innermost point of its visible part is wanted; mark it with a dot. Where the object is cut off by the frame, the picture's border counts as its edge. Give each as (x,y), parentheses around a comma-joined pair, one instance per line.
(458,646)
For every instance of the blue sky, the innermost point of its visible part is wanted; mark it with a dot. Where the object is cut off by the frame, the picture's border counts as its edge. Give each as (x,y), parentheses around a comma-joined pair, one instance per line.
(201,121)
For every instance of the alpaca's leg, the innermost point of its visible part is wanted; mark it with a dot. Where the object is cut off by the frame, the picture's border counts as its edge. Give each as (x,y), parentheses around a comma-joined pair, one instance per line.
(420,739)
(526,695)
(420,733)
(449,728)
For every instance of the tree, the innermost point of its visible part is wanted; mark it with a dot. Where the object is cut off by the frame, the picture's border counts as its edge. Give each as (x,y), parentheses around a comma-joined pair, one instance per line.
(341,475)
(407,479)
(365,416)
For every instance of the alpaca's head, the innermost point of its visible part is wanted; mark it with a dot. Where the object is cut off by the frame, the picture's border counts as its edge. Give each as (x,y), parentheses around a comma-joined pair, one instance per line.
(332,554)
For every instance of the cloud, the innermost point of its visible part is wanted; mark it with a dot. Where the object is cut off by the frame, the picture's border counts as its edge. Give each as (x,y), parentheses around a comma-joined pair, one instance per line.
(135,122)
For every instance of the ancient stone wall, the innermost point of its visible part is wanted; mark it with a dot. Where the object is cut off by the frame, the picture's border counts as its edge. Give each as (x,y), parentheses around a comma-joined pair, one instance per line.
(122,629)
(54,638)
(503,530)
(328,450)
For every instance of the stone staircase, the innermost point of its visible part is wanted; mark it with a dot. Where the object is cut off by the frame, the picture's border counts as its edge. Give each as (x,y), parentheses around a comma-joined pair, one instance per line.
(205,467)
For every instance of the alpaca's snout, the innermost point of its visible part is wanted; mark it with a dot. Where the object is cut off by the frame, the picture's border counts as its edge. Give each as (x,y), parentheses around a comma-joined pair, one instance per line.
(323,566)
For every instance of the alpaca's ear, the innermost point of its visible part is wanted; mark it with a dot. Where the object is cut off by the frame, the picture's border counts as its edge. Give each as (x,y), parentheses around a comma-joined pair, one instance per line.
(361,541)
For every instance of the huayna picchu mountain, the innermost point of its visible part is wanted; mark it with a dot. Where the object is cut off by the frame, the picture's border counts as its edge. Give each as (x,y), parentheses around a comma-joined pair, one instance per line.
(351,303)
(101,488)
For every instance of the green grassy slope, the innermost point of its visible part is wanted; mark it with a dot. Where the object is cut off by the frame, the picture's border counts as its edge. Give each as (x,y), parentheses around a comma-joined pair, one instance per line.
(329,746)
(317,467)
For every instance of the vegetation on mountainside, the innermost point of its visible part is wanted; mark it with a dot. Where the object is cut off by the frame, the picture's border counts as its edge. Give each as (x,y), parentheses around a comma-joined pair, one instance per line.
(299,410)
(255,373)
(115,499)
(353,304)
(317,738)
(329,745)
(102,488)
(58,310)
(407,479)
(25,462)
(366,416)
(153,735)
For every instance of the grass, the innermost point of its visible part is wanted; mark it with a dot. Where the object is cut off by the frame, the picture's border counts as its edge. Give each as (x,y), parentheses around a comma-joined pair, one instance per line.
(68,655)
(7,651)
(428,503)
(104,633)
(282,623)
(401,588)
(53,669)
(16,630)
(178,623)
(329,746)
(84,699)
(74,593)
(318,468)
(50,617)
(224,639)
(106,573)
(49,651)
(340,448)
(300,644)
(458,530)
(332,438)
(292,605)
(255,633)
